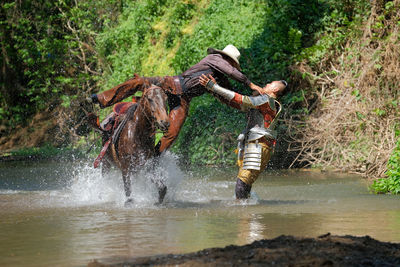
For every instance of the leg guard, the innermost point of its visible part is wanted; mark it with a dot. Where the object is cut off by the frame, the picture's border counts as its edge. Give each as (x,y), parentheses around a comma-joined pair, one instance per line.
(242,190)
(249,176)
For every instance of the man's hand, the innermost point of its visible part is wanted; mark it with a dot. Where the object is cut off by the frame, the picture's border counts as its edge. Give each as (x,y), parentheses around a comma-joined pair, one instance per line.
(211,85)
(203,79)
(256,88)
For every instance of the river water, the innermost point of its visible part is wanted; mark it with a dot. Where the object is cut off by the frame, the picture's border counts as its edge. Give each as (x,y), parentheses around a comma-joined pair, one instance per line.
(67,214)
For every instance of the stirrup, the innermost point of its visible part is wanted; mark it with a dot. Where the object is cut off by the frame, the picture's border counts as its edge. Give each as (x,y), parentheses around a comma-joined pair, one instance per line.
(107,124)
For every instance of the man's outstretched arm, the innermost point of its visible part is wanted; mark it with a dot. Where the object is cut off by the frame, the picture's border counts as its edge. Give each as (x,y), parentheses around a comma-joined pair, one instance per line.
(229,97)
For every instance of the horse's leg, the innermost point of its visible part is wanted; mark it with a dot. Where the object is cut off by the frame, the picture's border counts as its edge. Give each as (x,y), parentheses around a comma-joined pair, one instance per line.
(105,167)
(127,183)
(162,188)
(162,191)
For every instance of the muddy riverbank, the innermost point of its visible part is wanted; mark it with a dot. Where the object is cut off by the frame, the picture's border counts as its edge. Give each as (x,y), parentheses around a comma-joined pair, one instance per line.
(326,250)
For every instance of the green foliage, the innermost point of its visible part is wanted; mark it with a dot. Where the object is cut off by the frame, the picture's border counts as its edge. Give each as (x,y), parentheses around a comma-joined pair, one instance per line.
(31,47)
(59,52)
(181,13)
(47,51)
(391,184)
(340,20)
(142,40)
(268,34)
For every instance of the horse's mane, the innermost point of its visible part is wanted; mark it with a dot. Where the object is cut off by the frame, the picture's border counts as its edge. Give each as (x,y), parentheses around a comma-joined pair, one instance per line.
(121,126)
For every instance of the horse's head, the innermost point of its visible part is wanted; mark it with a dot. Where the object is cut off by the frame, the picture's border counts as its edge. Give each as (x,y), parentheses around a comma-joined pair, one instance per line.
(155,101)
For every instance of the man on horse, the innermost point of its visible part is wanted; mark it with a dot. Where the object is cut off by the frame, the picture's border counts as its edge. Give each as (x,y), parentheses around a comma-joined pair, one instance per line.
(180,89)
(257,141)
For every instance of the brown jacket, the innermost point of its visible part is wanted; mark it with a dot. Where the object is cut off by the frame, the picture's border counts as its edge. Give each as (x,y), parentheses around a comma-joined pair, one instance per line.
(216,65)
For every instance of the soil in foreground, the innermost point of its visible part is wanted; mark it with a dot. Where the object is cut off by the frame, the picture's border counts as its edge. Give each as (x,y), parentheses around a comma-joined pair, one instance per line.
(326,250)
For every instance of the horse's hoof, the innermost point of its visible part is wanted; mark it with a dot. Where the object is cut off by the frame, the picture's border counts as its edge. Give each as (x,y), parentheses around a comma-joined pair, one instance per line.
(161,194)
(159,203)
(128,202)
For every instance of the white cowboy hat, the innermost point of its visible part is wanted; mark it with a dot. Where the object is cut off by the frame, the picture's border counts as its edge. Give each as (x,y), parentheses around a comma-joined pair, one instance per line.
(229,50)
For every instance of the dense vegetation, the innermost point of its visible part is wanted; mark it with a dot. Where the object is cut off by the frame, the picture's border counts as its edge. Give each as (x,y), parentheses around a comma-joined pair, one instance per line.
(177,36)
(391,184)
(49,63)
(353,71)
(334,54)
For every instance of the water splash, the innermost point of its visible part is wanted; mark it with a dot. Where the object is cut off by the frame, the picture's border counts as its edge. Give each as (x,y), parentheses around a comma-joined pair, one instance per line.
(77,184)
(89,187)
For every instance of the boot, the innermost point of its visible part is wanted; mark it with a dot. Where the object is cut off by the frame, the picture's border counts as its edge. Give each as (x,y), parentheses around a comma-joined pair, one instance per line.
(242,189)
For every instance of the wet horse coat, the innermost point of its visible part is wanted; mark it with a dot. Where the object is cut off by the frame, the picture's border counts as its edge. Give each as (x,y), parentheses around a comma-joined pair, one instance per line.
(135,144)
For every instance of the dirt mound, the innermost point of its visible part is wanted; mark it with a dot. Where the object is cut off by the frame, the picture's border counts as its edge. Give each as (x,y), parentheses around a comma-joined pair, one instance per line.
(56,127)
(39,131)
(326,250)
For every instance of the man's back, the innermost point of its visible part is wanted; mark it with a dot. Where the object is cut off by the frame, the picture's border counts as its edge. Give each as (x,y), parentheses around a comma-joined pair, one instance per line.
(218,67)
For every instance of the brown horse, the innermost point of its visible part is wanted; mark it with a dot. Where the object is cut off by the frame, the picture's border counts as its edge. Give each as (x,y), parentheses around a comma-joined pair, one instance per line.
(135,143)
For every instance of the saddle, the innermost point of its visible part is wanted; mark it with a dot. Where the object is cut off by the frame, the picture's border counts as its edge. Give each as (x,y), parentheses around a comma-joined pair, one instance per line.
(112,125)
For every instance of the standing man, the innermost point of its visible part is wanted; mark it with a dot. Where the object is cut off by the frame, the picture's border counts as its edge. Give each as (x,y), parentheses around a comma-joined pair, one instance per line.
(257,142)
(180,89)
